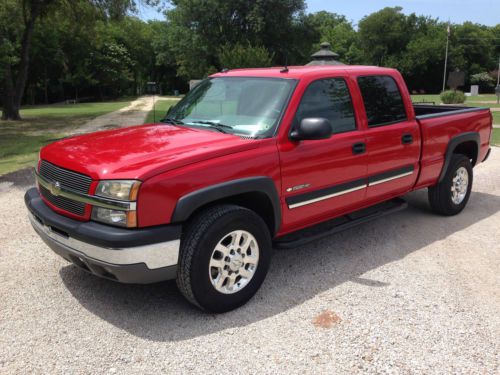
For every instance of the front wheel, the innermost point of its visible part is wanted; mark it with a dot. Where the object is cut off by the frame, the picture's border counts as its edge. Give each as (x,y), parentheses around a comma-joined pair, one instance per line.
(224,258)
(450,196)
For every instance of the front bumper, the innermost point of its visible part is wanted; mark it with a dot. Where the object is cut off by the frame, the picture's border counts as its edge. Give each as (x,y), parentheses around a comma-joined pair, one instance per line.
(138,256)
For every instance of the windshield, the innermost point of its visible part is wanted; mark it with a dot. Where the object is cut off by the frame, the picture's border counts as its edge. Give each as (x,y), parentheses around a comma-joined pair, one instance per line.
(238,105)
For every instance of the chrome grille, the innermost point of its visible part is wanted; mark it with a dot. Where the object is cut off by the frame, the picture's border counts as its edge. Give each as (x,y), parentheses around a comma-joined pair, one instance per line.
(68,179)
(63,203)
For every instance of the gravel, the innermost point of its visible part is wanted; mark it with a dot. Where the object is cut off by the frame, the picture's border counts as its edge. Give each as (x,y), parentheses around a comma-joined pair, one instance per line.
(409,293)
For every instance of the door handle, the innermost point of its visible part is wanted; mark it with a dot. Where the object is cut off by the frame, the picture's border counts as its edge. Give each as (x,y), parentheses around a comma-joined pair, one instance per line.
(359,148)
(407,139)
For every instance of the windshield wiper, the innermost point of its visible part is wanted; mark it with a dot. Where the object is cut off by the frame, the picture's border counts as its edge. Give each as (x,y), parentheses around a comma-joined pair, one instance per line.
(216,125)
(170,120)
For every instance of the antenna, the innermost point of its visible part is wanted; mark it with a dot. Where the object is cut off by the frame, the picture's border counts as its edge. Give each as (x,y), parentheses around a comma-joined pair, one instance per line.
(285,68)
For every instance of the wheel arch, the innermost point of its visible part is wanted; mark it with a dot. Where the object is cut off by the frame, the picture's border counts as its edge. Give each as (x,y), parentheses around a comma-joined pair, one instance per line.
(465,144)
(256,193)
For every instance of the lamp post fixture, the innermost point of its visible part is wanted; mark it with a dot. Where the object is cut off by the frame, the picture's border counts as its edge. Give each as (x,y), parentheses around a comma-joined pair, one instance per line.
(325,56)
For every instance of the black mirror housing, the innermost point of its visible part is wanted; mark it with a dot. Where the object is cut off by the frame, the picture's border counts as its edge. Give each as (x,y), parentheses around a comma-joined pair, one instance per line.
(312,128)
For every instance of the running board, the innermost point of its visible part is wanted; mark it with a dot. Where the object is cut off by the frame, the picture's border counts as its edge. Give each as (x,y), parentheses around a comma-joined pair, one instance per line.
(336,225)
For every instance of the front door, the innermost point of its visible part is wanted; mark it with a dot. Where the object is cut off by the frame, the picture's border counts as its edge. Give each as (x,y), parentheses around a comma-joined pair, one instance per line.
(324,178)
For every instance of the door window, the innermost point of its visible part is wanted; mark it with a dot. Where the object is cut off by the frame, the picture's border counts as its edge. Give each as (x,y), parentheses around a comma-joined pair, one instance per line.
(330,99)
(383,101)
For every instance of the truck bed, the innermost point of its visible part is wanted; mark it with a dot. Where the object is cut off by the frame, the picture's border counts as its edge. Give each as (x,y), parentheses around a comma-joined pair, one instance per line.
(438,125)
(424,111)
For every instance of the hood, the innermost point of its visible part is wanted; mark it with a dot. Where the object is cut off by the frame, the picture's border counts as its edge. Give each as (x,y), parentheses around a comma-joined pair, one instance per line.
(141,152)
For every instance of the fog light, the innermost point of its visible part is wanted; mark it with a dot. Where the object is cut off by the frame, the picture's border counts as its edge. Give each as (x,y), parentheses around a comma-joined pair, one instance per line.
(114,217)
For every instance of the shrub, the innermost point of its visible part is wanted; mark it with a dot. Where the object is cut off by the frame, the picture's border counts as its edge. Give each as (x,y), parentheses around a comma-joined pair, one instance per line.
(452,97)
(484,80)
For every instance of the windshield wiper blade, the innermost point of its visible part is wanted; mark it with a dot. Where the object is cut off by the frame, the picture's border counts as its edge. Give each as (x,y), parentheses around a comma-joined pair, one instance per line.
(170,120)
(216,125)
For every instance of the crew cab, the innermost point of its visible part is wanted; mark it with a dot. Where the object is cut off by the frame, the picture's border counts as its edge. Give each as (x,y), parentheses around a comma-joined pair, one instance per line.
(248,161)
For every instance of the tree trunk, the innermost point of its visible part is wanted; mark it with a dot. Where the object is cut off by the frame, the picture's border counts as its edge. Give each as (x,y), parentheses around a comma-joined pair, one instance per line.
(14,93)
(10,111)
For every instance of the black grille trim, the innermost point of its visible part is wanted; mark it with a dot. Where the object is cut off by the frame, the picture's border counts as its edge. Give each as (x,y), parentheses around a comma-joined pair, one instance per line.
(68,179)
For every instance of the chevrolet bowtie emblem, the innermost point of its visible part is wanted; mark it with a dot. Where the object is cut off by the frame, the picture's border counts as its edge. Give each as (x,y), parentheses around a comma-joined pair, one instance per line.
(55,188)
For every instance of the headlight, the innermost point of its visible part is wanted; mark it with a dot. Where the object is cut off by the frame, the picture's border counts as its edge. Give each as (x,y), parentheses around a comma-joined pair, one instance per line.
(125,190)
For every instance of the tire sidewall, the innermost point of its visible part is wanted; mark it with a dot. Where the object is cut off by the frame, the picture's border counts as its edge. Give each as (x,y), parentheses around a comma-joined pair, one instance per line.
(458,162)
(203,290)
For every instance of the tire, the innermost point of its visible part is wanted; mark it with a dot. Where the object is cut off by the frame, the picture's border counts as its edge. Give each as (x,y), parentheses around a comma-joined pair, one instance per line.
(441,197)
(211,287)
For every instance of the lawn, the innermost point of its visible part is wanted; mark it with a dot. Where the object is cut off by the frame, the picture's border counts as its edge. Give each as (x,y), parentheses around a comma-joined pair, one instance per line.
(21,140)
(495,139)
(161,107)
(496,117)
(471,100)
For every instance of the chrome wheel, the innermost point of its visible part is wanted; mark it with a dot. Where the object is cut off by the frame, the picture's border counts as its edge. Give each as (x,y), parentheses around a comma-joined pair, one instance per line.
(233,262)
(459,185)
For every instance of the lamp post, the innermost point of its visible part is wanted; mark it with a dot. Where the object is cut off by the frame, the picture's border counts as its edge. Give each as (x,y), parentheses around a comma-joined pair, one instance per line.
(498,72)
(446,56)
(497,89)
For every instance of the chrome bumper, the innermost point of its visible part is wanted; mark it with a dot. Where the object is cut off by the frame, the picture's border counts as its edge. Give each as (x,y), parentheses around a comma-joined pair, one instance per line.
(154,256)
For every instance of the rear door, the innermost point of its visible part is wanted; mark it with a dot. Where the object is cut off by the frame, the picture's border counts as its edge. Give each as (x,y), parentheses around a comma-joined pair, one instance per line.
(392,137)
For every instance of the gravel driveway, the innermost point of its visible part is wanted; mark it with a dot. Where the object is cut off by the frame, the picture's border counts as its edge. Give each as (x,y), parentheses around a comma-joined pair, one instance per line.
(409,293)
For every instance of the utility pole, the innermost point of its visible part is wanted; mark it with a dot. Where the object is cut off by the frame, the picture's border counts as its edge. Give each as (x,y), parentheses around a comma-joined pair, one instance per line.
(446,55)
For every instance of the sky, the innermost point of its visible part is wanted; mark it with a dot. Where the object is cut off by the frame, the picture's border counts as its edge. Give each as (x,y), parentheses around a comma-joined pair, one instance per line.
(486,12)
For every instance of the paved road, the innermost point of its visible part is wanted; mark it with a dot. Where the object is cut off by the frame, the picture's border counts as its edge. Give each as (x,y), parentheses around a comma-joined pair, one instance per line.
(410,293)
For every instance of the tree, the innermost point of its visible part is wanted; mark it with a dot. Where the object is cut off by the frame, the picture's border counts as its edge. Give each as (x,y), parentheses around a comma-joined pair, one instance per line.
(18,23)
(336,30)
(384,35)
(198,30)
(244,56)
(18,19)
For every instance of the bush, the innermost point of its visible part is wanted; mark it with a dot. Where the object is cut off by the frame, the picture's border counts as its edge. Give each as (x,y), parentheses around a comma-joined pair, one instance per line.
(452,97)
(484,80)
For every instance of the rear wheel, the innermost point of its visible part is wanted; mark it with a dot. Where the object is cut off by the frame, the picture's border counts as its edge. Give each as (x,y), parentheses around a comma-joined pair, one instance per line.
(450,196)
(224,257)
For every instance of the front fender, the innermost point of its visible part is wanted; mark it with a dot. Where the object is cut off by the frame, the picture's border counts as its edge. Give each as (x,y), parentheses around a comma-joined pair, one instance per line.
(189,203)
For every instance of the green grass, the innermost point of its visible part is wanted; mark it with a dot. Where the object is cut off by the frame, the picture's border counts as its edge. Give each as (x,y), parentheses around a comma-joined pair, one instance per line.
(496,117)
(40,125)
(495,139)
(72,110)
(161,108)
(472,100)
(426,98)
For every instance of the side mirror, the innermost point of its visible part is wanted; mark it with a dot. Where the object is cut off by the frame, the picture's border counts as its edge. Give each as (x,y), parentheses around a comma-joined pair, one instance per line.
(312,128)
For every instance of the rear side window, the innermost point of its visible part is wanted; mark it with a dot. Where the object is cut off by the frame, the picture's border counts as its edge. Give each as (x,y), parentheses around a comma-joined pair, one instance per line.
(383,101)
(330,99)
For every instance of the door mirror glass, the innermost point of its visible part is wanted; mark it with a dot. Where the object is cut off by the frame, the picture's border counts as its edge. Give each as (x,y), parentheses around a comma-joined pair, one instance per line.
(312,128)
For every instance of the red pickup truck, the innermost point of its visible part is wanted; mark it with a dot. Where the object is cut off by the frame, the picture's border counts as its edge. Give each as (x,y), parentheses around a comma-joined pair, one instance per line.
(249,160)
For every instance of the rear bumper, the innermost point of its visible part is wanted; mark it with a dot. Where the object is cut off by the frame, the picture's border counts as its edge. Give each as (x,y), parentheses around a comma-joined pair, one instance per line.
(138,256)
